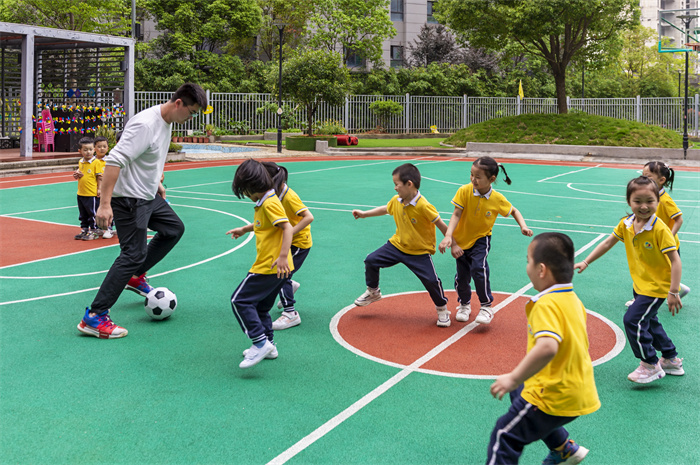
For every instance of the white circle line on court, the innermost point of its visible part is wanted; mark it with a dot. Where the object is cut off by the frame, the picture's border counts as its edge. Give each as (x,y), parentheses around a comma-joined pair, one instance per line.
(617,348)
(249,237)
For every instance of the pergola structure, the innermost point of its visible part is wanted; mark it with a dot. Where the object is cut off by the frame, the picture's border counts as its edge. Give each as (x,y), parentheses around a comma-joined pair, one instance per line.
(33,40)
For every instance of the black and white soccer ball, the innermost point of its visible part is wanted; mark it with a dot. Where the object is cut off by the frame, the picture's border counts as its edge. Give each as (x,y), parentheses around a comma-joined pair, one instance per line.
(160,303)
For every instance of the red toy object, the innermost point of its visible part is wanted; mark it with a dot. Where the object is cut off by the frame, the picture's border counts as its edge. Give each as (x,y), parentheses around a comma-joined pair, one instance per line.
(354,140)
(343,139)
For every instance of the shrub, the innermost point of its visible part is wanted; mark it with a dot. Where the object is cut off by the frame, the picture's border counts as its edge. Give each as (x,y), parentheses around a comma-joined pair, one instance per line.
(384,110)
(331,127)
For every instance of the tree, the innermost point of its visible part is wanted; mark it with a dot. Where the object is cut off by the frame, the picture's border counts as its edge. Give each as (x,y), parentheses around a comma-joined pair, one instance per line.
(557,30)
(294,14)
(352,27)
(313,77)
(433,45)
(98,16)
(202,25)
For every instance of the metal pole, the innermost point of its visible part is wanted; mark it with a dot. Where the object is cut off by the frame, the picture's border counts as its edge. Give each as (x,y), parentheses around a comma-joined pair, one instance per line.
(133,19)
(685,106)
(583,80)
(679,83)
(279,104)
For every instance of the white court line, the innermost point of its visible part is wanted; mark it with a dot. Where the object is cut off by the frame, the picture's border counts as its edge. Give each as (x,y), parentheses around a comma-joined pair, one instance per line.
(39,211)
(570,186)
(394,380)
(42,221)
(39,179)
(569,172)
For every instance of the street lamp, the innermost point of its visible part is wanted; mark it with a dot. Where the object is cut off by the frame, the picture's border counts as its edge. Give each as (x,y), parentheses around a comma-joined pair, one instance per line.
(280,26)
(686,20)
(679,82)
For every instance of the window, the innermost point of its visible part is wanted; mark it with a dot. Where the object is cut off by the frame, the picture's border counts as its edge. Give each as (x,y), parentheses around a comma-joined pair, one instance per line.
(397,10)
(354,60)
(431,19)
(396,56)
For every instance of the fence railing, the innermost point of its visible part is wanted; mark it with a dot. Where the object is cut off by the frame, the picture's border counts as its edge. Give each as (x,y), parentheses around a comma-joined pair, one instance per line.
(448,114)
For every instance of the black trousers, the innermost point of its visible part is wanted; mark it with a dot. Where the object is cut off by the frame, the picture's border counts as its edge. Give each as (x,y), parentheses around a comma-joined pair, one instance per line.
(133,218)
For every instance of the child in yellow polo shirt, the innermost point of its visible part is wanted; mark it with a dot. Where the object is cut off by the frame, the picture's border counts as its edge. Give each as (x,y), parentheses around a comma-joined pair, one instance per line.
(655,267)
(300,218)
(89,176)
(412,244)
(101,150)
(554,383)
(255,295)
(469,235)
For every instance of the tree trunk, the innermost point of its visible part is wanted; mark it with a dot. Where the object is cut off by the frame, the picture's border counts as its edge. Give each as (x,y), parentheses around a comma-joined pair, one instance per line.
(310,119)
(560,84)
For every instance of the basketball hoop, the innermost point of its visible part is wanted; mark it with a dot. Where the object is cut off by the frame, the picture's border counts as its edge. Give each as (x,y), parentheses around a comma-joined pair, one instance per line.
(694,45)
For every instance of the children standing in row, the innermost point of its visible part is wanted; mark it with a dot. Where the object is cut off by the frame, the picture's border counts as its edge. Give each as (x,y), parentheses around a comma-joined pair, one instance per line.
(412,244)
(89,176)
(101,150)
(253,298)
(300,218)
(655,267)
(554,383)
(469,235)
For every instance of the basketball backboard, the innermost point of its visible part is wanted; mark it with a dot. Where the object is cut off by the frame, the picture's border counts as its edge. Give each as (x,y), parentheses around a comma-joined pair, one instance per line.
(673,36)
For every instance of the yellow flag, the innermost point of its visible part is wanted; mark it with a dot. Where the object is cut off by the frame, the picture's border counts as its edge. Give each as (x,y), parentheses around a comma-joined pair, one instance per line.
(520,90)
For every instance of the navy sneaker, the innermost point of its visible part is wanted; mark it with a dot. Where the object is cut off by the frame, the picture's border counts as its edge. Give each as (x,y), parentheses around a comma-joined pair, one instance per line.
(571,454)
(100,326)
(139,285)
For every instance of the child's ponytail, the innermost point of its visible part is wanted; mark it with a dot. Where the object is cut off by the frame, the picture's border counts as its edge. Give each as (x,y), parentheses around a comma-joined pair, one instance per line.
(491,167)
(662,170)
(507,179)
(278,174)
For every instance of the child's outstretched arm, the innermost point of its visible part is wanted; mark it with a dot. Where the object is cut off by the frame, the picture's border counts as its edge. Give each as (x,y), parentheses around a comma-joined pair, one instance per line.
(674,299)
(306,219)
(441,226)
(282,263)
(541,354)
(238,232)
(379,211)
(515,213)
(598,252)
(447,241)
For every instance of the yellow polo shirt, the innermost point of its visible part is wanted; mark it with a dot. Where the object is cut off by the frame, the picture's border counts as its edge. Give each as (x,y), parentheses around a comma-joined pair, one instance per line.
(269,212)
(668,211)
(646,255)
(293,206)
(415,225)
(87,185)
(479,214)
(566,386)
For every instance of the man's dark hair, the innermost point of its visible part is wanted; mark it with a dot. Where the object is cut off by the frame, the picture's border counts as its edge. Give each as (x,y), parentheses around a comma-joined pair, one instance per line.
(190,94)
(556,251)
(250,178)
(408,172)
(84,141)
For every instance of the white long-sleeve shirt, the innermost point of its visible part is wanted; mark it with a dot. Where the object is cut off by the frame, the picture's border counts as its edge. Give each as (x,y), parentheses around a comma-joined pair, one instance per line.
(140,155)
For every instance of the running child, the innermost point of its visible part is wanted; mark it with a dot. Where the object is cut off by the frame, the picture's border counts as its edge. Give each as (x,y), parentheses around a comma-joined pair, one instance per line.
(300,218)
(554,384)
(668,211)
(655,266)
(89,176)
(253,298)
(469,235)
(412,244)
(101,150)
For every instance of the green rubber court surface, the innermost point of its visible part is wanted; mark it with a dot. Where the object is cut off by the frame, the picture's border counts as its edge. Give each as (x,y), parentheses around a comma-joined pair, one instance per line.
(375,385)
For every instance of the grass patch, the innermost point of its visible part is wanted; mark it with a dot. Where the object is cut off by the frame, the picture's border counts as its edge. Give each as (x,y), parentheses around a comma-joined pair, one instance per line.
(363,143)
(568,129)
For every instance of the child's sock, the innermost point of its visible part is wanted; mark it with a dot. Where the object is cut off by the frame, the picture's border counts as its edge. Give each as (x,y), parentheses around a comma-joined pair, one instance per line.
(260,344)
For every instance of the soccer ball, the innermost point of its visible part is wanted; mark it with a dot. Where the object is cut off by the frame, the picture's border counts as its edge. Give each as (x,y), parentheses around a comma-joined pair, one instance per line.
(160,303)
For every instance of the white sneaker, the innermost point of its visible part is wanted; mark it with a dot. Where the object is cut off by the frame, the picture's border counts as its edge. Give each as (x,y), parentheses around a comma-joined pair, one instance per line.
(463,312)
(253,356)
(295,286)
(286,320)
(370,295)
(646,373)
(108,234)
(672,366)
(485,316)
(629,302)
(443,317)
(683,291)
(271,356)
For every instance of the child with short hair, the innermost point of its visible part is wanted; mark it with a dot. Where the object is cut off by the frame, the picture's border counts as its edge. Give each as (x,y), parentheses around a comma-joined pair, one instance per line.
(412,244)
(554,383)
(89,176)
(101,150)
(300,218)
(469,235)
(253,298)
(656,269)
